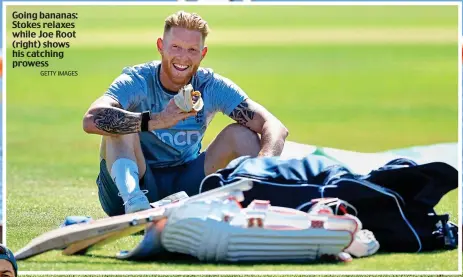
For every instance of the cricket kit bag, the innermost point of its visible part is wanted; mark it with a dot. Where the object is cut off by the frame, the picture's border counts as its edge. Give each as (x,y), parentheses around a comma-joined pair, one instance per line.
(396,202)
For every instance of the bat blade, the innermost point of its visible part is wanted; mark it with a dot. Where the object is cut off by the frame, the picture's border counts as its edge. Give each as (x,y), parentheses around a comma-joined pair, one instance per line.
(62,237)
(102,240)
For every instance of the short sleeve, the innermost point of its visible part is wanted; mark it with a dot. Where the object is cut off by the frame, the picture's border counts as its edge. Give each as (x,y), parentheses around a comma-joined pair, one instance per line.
(129,89)
(225,94)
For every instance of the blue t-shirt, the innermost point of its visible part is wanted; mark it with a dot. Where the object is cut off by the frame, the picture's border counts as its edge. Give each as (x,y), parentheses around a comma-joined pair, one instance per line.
(139,89)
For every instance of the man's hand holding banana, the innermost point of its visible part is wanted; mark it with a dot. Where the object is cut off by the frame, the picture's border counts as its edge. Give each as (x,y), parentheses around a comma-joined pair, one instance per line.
(185,104)
(188,99)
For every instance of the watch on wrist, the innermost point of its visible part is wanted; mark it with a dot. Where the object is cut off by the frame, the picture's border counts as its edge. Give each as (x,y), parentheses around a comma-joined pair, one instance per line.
(145,117)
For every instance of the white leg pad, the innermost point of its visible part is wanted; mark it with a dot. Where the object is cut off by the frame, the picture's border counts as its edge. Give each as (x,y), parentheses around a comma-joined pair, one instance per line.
(282,234)
(211,240)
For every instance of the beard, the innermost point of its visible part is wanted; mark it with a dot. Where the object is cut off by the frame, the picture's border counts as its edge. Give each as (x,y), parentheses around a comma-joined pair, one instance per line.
(176,77)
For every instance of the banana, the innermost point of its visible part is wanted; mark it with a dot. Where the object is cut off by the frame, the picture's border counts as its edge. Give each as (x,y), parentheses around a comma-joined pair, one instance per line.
(188,99)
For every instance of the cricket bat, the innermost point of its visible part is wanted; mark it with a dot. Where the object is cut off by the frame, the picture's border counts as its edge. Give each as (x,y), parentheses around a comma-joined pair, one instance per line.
(84,235)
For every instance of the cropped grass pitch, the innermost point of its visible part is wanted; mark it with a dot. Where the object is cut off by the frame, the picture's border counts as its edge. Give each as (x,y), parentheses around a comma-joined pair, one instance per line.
(357,78)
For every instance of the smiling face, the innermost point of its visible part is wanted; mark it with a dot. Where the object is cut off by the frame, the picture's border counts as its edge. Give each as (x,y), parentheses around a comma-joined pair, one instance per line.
(182,51)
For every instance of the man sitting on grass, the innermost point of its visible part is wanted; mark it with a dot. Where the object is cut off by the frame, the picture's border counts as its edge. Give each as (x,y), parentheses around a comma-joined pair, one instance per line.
(150,145)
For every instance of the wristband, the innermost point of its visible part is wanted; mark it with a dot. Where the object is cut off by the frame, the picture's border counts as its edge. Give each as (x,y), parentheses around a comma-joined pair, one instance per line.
(145,117)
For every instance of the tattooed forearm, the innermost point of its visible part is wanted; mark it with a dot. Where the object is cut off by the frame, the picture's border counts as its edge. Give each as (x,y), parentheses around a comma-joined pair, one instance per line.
(115,121)
(242,114)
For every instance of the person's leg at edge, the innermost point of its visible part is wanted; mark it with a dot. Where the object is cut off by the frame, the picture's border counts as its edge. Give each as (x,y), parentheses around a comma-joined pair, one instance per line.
(126,164)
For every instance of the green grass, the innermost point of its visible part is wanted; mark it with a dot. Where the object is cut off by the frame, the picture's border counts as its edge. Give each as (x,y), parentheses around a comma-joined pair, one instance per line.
(363,97)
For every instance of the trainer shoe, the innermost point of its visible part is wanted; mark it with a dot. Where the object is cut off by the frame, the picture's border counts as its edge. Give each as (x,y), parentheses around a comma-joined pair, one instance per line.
(364,244)
(136,201)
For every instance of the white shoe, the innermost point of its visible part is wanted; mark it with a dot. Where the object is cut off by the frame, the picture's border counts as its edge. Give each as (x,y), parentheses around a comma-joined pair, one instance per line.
(136,201)
(364,244)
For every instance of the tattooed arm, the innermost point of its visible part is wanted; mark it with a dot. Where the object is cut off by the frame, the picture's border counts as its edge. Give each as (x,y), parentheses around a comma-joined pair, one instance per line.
(257,118)
(106,117)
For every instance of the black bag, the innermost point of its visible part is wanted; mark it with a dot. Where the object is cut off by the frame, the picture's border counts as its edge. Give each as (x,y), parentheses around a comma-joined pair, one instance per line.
(396,202)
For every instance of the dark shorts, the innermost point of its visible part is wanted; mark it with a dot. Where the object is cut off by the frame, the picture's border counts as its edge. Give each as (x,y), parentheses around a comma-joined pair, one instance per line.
(160,182)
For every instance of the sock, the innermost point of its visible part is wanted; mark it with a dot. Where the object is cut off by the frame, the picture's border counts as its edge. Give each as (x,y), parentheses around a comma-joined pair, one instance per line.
(124,173)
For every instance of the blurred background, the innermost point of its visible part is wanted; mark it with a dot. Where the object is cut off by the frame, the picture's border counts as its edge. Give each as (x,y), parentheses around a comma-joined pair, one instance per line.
(361,78)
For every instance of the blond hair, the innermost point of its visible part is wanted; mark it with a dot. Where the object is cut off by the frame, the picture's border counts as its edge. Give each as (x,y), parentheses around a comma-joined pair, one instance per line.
(191,21)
